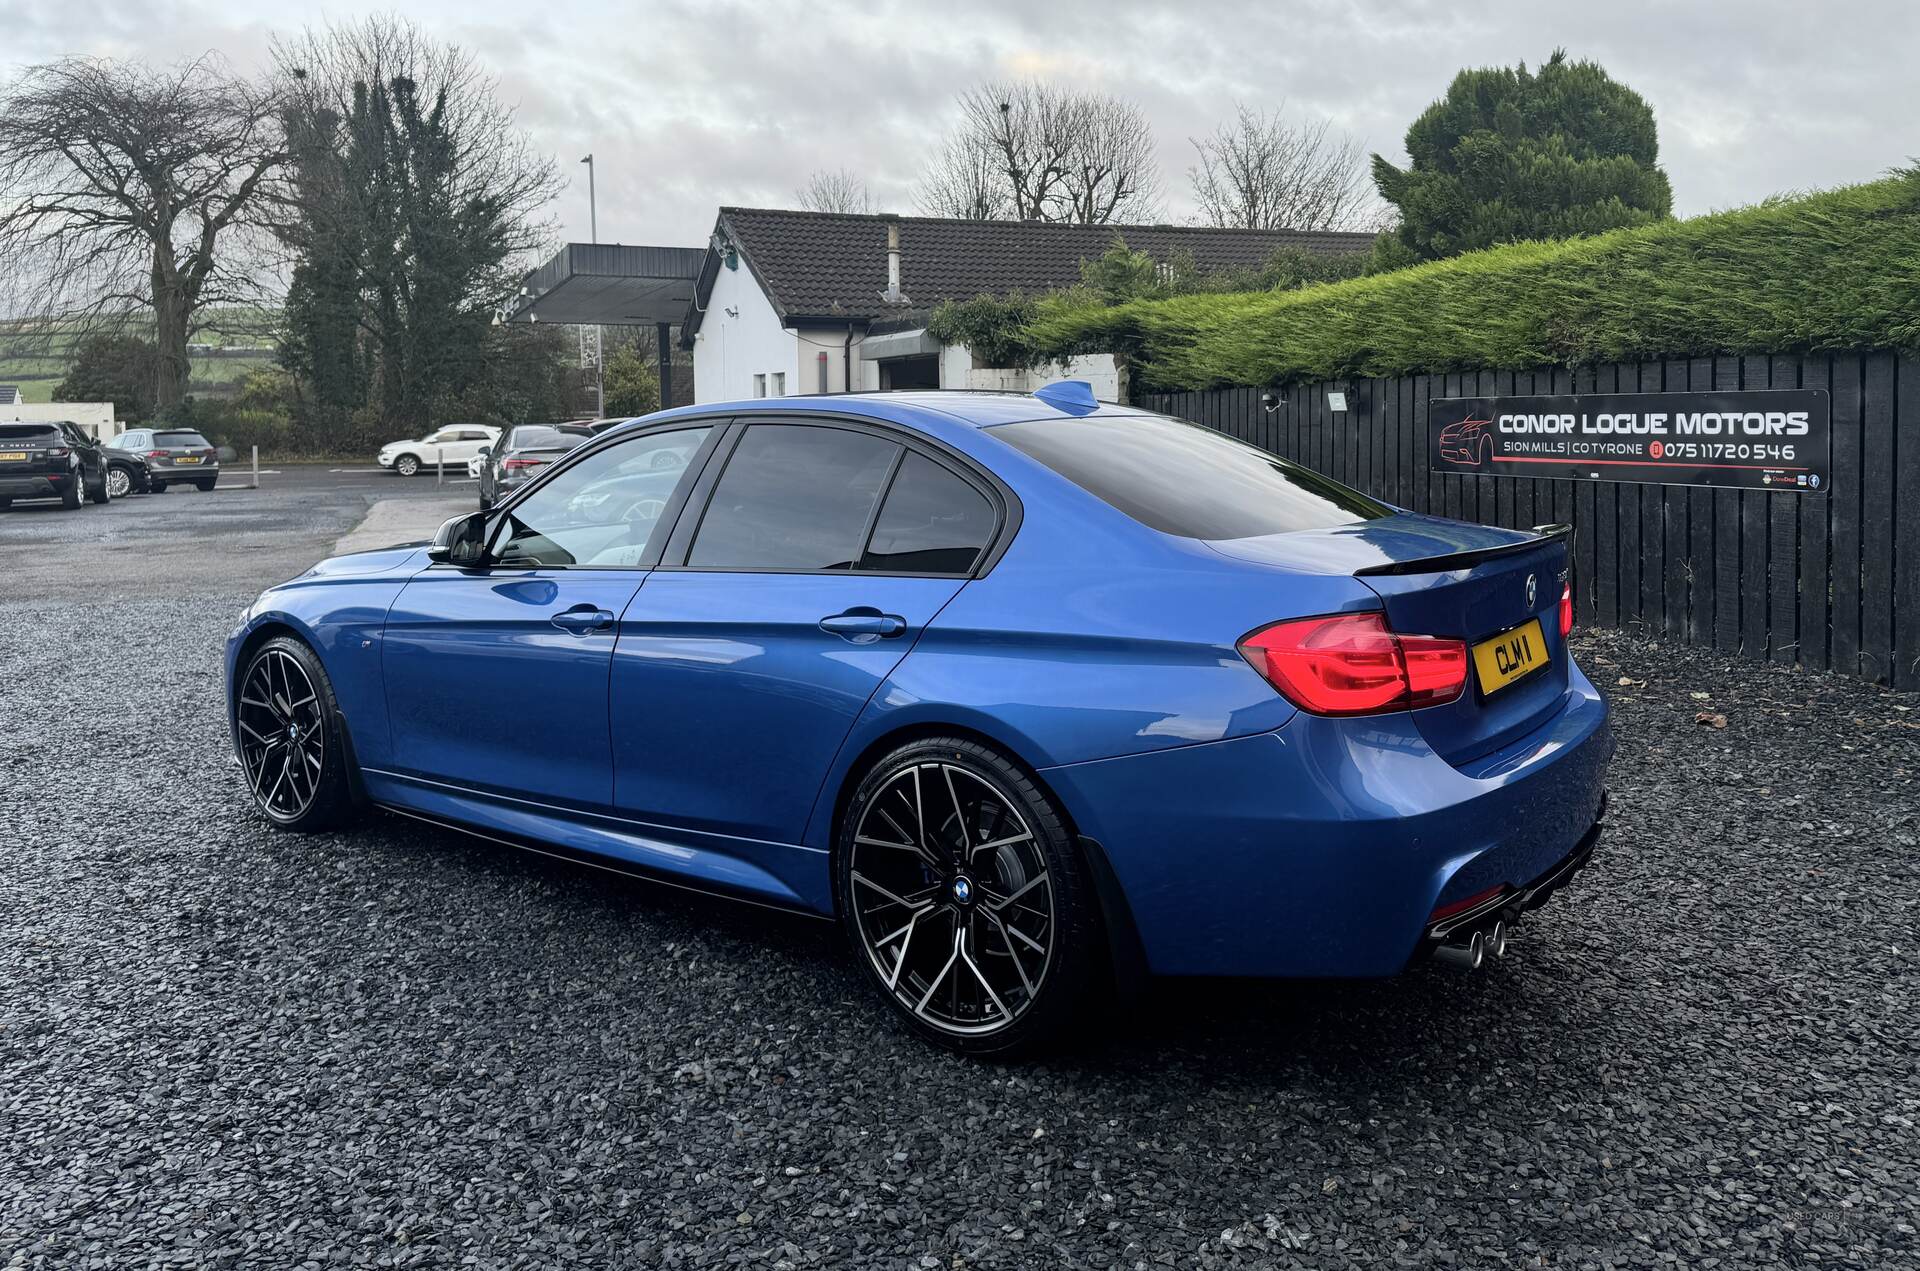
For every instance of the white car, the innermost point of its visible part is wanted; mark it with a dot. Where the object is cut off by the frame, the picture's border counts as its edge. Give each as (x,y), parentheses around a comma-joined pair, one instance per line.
(474,465)
(455,445)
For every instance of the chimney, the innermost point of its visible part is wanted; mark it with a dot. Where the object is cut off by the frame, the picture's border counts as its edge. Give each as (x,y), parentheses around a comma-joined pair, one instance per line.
(893,295)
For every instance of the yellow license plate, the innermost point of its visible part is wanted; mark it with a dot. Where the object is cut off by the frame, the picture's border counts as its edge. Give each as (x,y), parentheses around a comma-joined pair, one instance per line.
(7,455)
(1509,657)
(186,458)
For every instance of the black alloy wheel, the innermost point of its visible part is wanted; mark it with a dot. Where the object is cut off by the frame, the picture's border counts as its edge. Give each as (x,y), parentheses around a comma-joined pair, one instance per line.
(288,727)
(964,893)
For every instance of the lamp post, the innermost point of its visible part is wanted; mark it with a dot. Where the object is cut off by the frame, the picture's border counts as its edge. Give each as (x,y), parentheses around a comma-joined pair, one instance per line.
(599,362)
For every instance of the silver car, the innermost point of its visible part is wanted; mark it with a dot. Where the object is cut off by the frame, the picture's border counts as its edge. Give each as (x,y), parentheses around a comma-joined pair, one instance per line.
(174,455)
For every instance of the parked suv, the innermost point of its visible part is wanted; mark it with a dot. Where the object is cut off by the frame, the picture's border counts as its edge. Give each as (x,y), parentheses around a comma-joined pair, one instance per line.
(173,455)
(519,455)
(453,445)
(50,461)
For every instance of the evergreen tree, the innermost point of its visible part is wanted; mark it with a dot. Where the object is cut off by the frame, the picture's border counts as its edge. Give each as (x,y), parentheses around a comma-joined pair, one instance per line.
(1510,154)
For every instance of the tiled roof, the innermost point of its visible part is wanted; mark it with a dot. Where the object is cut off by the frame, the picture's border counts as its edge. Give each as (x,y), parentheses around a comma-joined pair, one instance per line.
(828,264)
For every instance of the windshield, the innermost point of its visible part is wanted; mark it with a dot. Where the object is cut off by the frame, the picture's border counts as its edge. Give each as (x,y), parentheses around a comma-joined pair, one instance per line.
(180,441)
(1180,478)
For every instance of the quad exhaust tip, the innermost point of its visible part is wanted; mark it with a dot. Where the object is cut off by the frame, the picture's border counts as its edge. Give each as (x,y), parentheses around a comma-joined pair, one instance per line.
(1468,956)
(1470,952)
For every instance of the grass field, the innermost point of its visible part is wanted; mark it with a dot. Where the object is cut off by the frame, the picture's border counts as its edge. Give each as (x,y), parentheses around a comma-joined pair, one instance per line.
(35,353)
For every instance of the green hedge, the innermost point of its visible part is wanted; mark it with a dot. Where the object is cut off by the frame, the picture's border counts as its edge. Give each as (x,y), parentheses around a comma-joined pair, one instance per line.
(1835,270)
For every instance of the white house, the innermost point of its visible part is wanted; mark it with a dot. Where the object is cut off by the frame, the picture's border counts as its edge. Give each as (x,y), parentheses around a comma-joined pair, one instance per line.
(817,302)
(94,418)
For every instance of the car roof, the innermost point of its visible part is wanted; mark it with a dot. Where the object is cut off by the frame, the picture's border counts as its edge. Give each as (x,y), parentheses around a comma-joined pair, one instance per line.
(978,408)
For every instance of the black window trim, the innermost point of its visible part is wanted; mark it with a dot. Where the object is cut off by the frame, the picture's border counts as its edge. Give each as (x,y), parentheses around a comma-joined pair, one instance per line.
(708,462)
(1005,504)
(718,426)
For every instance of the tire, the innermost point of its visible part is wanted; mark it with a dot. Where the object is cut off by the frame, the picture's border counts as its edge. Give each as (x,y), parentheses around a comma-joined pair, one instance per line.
(156,486)
(1016,948)
(407,465)
(266,732)
(101,493)
(76,489)
(205,484)
(119,482)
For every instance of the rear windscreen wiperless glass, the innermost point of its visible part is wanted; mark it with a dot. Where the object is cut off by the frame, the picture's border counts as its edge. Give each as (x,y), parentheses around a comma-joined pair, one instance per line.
(30,435)
(535,436)
(1183,479)
(180,441)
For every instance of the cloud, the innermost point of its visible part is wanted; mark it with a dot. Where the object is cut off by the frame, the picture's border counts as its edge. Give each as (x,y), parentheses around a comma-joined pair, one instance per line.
(690,106)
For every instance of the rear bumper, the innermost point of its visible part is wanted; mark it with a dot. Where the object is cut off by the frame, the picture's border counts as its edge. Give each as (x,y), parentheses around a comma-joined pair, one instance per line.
(1323,848)
(34,486)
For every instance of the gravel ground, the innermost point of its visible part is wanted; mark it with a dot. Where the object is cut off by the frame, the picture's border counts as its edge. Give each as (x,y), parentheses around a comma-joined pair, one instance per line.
(224,1046)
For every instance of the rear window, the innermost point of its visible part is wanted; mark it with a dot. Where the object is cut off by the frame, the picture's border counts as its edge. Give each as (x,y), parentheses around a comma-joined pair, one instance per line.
(1180,478)
(31,434)
(537,435)
(180,441)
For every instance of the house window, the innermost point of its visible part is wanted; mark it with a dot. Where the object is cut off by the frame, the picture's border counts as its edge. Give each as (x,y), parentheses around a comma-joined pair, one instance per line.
(760,385)
(779,386)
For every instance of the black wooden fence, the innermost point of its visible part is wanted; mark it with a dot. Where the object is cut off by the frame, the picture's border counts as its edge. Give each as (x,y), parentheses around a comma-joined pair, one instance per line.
(1829,581)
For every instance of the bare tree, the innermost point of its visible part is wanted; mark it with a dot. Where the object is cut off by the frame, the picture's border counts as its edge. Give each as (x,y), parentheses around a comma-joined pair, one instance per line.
(1264,172)
(1029,151)
(838,190)
(122,188)
(1112,173)
(964,181)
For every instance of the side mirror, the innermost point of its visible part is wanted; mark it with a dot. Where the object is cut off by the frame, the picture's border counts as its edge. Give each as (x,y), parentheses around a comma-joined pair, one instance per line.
(486,450)
(460,541)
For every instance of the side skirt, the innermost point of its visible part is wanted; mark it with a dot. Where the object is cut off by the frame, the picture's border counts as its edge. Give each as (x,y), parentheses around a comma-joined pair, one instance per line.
(787,877)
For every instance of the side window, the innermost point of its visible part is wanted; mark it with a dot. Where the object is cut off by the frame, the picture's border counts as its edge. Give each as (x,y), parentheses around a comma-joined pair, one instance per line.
(931,523)
(793,497)
(603,511)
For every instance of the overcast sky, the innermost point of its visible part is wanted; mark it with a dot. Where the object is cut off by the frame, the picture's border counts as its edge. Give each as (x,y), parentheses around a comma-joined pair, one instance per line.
(688,106)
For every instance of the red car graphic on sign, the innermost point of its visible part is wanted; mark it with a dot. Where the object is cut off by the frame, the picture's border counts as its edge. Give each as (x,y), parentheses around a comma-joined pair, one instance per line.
(1469,442)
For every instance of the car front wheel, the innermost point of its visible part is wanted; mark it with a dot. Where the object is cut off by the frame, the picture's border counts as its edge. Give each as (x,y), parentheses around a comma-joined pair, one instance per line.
(966,899)
(119,484)
(287,723)
(406,465)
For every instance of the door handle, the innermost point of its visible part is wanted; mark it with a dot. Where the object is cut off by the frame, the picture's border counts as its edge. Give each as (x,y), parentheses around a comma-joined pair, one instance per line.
(582,620)
(864,624)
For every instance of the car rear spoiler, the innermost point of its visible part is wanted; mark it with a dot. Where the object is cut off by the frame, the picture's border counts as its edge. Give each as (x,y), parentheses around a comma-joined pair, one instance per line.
(1468,559)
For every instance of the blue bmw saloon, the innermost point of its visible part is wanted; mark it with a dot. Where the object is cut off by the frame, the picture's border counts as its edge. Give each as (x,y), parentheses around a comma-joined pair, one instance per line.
(1033,694)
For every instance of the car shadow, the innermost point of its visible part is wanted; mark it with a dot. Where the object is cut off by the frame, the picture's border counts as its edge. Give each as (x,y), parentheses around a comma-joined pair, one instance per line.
(1329,1036)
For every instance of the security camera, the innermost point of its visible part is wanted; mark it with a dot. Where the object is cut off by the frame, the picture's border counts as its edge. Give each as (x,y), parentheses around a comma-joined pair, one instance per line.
(1270,402)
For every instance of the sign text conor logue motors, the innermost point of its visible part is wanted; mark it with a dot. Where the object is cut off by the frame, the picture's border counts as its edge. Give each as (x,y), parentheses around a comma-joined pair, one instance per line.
(1773,439)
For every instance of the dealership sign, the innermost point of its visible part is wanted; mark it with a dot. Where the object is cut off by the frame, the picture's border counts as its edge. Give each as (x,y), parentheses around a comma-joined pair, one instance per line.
(1778,439)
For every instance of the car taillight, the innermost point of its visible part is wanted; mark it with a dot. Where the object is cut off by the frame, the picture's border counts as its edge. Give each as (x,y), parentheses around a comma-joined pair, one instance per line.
(1566,611)
(515,465)
(156,454)
(1352,664)
(57,452)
